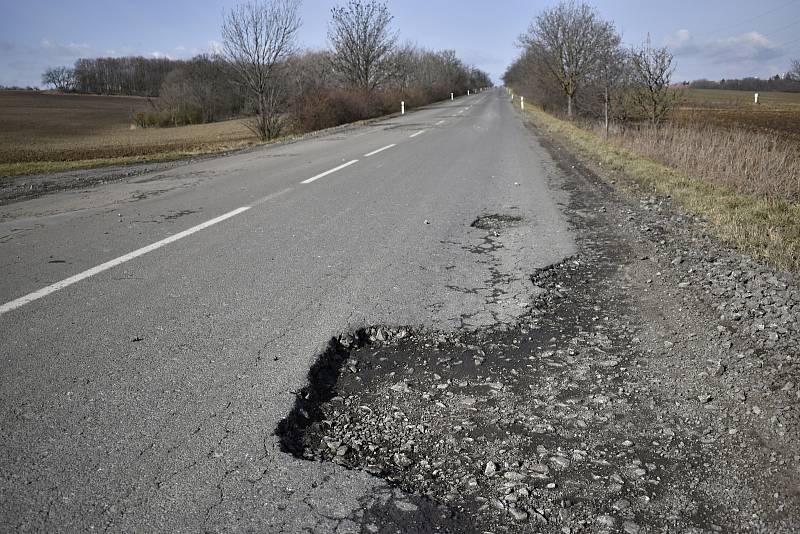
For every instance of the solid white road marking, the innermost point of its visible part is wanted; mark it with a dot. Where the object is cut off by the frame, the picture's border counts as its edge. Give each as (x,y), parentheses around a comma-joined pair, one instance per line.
(439,123)
(5,308)
(418,133)
(387,147)
(326,173)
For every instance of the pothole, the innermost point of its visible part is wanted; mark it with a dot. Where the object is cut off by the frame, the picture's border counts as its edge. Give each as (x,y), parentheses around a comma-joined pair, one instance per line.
(496,221)
(321,388)
(534,429)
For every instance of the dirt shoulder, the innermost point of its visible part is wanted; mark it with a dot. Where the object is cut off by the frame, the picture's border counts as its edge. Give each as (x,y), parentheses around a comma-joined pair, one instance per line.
(653,387)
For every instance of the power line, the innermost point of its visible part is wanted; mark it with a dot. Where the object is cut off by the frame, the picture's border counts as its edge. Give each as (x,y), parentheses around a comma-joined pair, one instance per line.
(780,29)
(787,43)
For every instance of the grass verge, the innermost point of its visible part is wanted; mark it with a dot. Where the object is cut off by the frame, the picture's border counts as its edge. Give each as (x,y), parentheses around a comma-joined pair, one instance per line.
(766,229)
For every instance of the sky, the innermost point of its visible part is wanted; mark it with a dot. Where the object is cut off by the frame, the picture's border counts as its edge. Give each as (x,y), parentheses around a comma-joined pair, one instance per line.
(710,38)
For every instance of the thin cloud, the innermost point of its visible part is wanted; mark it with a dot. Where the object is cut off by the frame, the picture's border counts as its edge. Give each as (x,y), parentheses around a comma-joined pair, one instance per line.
(65,49)
(681,43)
(751,46)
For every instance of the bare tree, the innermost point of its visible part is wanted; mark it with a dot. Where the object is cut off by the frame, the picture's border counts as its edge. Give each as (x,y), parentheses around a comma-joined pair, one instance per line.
(614,78)
(257,39)
(794,72)
(572,42)
(362,39)
(651,72)
(61,78)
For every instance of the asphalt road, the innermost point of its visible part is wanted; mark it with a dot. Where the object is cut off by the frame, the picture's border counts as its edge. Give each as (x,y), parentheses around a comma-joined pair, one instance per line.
(142,393)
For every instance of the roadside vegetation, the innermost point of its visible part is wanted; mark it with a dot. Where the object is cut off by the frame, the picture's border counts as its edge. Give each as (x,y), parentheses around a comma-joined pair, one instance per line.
(715,151)
(258,87)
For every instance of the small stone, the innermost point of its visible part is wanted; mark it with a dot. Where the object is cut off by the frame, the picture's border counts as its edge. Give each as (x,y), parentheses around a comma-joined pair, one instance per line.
(517,514)
(621,504)
(559,462)
(540,469)
(401,387)
(605,521)
(490,469)
(401,460)
(629,527)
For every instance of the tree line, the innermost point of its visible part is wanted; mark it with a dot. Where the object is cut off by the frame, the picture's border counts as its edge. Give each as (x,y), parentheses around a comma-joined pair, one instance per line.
(260,73)
(573,60)
(790,83)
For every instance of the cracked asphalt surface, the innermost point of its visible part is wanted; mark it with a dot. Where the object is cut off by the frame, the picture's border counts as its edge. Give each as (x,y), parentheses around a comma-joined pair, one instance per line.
(145,397)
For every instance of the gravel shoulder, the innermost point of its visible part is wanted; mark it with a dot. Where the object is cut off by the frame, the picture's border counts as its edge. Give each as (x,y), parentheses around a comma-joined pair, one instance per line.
(650,387)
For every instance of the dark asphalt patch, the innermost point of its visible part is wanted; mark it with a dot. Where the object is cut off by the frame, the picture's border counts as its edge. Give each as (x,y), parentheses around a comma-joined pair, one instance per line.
(178,214)
(496,221)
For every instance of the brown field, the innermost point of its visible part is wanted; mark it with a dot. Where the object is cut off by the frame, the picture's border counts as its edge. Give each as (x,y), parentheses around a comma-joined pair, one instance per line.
(45,132)
(776,112)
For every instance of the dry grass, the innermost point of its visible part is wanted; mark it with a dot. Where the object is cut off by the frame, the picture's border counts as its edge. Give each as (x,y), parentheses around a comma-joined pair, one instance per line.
(767,228)
(763,164)
(48,132)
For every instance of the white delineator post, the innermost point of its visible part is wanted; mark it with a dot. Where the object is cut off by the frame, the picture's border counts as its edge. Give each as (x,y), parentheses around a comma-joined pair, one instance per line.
(756,98)
(451,96)
(467,92)
(522,103)
(403,107)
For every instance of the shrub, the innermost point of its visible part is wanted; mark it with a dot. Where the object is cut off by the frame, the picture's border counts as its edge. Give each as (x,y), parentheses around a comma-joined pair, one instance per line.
(167,118)
(326,108)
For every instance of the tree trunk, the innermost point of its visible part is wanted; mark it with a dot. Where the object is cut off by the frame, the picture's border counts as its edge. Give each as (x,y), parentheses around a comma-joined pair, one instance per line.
(262,118)
(569,106)
(605,101)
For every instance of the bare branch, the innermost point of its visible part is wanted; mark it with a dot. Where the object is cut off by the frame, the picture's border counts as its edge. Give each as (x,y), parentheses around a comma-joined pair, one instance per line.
(257,38)
(363,41)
